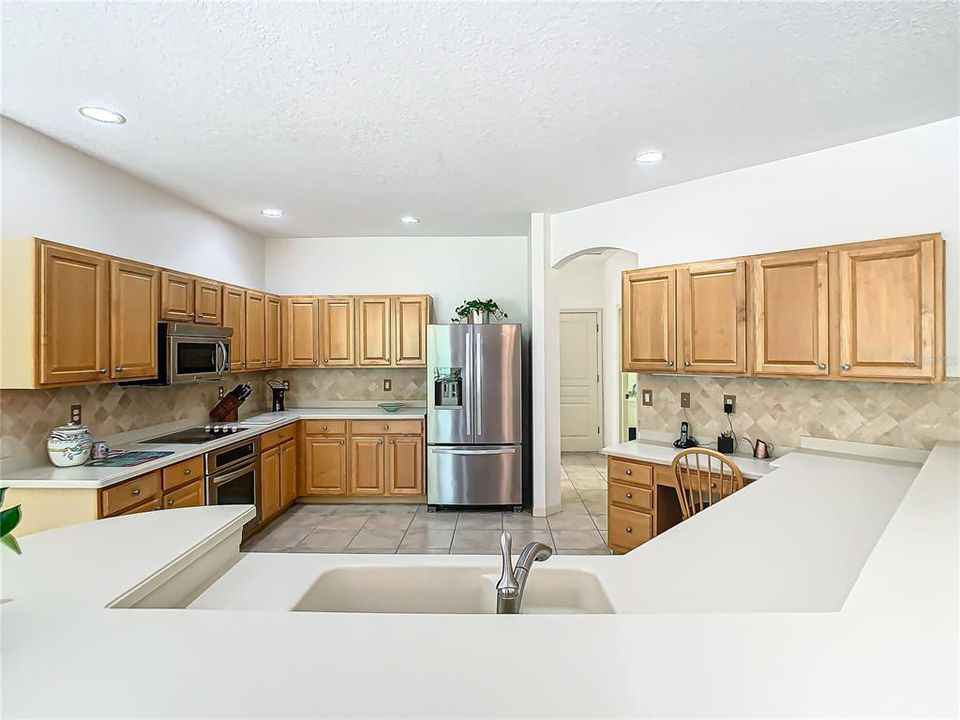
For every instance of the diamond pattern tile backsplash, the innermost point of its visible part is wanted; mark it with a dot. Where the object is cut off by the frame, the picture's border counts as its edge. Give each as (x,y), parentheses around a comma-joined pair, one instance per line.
(781,411)
(26,416)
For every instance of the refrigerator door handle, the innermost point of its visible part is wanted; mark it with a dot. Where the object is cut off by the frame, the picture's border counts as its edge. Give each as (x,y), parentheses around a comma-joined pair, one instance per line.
(471,451)
(478,374)
(468,406)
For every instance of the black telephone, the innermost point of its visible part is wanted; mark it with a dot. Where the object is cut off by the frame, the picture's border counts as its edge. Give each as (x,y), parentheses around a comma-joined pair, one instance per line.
(686,440)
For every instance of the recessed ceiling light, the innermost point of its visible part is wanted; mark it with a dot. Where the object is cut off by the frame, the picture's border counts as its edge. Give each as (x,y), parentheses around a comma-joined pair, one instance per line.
(409,220)
(102,115)
(271,213)
(649,157)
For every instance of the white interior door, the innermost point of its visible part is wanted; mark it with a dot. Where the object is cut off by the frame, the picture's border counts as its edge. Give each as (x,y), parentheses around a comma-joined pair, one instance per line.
(580,381)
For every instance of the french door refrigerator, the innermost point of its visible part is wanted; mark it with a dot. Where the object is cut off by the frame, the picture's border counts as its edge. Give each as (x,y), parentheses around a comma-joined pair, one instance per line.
(474,424)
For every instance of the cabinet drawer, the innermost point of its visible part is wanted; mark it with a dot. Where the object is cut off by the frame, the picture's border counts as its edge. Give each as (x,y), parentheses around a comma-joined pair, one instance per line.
(188,496)
(275,437)
(325,427)
(132,492)
(628,528)
(182,472)
(149,506)
(385,427)
(636,497)
(631,472)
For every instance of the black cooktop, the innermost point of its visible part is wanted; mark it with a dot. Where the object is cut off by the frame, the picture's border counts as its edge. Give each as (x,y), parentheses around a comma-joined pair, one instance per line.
(194,435)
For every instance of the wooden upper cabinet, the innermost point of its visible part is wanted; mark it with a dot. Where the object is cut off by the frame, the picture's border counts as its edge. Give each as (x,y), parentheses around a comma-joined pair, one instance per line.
(891,309)
(366,466)
(73,328)
(373,331)
(324,466)
(791,313)
(336,329)
(713,309)
(271,332)
(404,466)
(649,320)
(235,316)
(301,332)
(411,317)
(255,315)
(207,301)
(177,297)
(134,303)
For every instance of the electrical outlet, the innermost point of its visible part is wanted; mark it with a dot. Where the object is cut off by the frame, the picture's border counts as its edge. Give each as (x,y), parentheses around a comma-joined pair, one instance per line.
(646,397)
(75,415)
(729,403)
(685,400)
(387,385)
(220,392)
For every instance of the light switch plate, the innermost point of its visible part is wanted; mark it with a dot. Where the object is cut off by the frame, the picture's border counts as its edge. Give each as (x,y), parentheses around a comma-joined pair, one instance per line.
(220,392)
(387,385)
(75,414)
(646,397)
(685,400)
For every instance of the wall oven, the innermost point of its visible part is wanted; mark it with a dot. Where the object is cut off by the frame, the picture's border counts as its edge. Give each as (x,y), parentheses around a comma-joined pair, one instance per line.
(232,475)
(189,353)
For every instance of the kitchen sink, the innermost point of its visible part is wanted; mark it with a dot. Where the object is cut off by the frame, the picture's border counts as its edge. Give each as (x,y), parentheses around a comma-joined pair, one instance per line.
(450,590)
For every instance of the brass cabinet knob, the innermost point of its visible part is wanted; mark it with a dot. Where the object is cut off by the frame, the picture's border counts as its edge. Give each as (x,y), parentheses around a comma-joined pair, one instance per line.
(119,368)
(170,501)
(845,366)
(158,507)
(187,471)
(713,486)
(324,427)
(386,427)
(822,366)
(136,491)
(392,442)
(629,496)
(379,442)
(686,363)
(341,442)
(628,529)
(103,371)
(629,471)
(669,363)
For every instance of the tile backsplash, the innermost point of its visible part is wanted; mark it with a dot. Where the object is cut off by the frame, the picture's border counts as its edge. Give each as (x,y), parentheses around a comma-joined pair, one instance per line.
(26,416)
(781,411)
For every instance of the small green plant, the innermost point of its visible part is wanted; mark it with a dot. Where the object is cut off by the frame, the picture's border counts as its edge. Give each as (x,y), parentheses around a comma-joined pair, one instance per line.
(9,519)
(488,306)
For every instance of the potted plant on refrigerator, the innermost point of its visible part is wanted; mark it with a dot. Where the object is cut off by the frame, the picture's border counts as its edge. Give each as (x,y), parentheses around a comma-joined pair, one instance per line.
(479,311)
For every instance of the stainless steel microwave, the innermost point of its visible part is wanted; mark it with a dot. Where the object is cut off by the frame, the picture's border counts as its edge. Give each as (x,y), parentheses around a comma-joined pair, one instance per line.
(190,353)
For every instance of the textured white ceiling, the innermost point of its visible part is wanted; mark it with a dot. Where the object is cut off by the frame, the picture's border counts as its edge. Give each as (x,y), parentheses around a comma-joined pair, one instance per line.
(467,115)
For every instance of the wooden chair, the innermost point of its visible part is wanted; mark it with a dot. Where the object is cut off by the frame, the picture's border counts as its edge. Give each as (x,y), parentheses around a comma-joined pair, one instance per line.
(703,477)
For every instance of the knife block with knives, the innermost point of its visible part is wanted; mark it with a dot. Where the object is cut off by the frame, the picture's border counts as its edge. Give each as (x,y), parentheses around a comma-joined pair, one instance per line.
(227,409)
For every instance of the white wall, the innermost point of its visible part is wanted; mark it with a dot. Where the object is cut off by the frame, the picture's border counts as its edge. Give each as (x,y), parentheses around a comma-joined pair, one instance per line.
(614,264)
(451,269)
(57,193)
(580,283)
(903,183)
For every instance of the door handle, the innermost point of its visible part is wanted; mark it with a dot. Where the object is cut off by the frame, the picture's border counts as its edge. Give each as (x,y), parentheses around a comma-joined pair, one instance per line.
(468,361)
(478,372)
(451,451)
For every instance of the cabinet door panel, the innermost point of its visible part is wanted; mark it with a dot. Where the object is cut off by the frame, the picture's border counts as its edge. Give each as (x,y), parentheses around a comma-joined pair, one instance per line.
(235,316)
(336,329)
(74,323)
(373,331)
(207,299)
(649,320)
(255,327)
(405,466)
(269,483)
(366,466)
(134,291)
(325,466)
(791,313)
(301,339)
(411,317)
(176,297)
(188,496)
(888,314)
(713,299)
(288,472)
(271,332)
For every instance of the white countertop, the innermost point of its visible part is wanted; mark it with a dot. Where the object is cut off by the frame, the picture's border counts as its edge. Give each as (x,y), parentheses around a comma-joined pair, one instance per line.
(827,588)
(664,453)
(85,476)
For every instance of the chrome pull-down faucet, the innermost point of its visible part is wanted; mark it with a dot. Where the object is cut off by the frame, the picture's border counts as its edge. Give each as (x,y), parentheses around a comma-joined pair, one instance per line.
(513,580)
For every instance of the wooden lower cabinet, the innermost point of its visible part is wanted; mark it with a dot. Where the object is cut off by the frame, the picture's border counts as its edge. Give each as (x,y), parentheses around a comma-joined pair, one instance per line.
(288,473)
(366,466)
(190,495)
(269,484)
(404,466)
(631,504)
(324,465)
(117,499)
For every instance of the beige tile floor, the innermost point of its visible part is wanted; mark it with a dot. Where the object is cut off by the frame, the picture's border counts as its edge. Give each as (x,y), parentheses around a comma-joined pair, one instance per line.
(579,529)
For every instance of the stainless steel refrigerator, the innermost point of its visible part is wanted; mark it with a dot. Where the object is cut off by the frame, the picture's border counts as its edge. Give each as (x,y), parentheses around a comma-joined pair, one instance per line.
(474,423)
